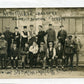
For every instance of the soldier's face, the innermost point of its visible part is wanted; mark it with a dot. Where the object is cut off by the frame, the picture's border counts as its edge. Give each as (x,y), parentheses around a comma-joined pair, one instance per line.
(59,44)
(14,46)
(50,44)
(42,44)
(50,26)
(16,30)
(26,45)
(31,28)
(25,29)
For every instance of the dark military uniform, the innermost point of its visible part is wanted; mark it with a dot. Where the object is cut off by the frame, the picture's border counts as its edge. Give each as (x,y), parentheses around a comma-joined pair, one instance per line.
(59,54)
(51,35)
(16,37)
(24,39)
(50,54)
(14,57)
(25,56)
(62,34)
(69,50)
(42,55)
(40,36)
(3,52)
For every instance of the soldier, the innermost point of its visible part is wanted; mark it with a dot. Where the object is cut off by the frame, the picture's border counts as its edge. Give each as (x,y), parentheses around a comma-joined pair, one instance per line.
(33,52)
(62,34)
(3,51)
(69,50)
(25,55)
(59,55)
(24,35)
(42,54)
(16,37)
(14,56)
(51,34)
(77,44)
(41,35)
(8,38)
(51,53)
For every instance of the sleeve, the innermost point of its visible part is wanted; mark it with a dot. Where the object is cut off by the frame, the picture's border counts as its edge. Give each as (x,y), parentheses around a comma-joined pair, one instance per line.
(23,35)
(58,34)
(54,35)
(54,52)
(31,49)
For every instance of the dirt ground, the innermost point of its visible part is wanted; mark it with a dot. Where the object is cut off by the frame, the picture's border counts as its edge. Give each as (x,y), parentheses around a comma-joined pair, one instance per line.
(76,72)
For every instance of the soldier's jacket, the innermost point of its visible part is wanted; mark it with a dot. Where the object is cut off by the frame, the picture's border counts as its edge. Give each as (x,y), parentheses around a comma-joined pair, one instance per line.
(16,36)
(51,35)
(59,51)
(62,34)
(42,52)
(69,46)
(14,52)
(3,46)
(77,44)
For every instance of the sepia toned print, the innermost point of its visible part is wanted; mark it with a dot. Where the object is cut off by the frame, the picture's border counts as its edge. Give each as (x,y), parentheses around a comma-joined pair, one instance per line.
(41,42)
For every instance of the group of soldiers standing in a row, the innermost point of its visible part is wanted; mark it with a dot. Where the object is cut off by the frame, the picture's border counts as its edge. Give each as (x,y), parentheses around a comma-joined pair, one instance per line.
(41,49)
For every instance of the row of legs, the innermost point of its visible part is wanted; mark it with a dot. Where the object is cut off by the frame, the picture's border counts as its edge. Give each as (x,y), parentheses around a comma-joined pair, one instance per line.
(33,61)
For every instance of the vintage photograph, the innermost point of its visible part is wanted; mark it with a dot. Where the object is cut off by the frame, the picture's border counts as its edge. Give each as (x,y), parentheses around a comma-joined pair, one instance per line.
(41,42)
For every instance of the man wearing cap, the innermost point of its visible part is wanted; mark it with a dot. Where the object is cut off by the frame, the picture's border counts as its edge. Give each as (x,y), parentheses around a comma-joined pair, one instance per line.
(69,50)
(62,34)
(41,35)
(78,45)
(3,51)
(24,35)
(51,34)
(16,37)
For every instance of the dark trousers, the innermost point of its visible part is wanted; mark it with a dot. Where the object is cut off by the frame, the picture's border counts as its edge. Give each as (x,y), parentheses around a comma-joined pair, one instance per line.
(3,60)
(9,49)
(41,61)
(50,62)
(23,61)
(71,59)
(33,59)
(14,62)
(77,58)
(57,61)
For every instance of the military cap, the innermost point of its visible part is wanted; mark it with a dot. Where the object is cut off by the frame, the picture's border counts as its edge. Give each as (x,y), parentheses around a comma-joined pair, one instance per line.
(69,35)
(50,24)
(24,27)
(16,27)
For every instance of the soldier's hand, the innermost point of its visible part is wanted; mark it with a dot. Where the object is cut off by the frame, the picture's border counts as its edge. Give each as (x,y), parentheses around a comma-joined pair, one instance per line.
(63,57)
(44,58)
(12,58)
(16,58)
(52,57)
